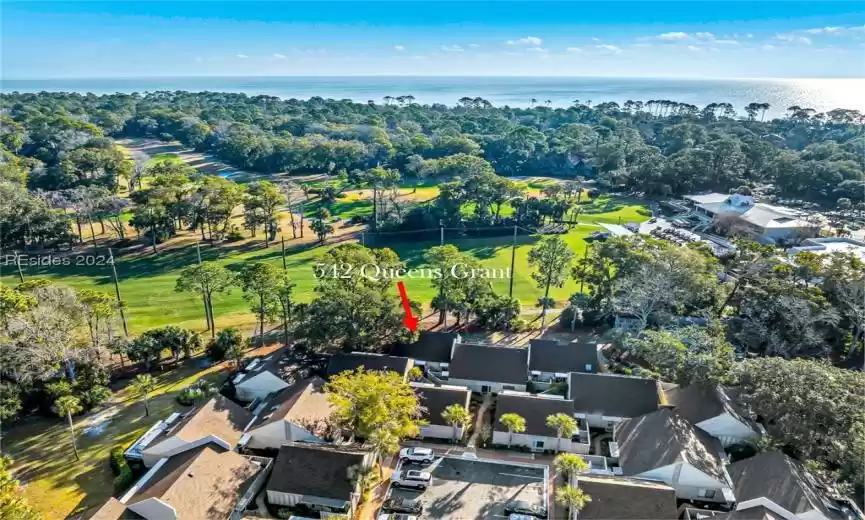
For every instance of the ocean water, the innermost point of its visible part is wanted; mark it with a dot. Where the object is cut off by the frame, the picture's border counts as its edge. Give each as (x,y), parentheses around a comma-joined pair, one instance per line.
(820,94)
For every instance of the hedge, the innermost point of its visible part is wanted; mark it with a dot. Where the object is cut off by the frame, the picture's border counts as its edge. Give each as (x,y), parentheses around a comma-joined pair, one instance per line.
(121,468)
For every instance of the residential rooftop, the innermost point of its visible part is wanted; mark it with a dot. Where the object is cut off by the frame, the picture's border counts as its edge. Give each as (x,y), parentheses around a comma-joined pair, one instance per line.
(431,346)
(619,498)
(534,408)
(319,470)
(436,398)
(613,395)
(490,363)
(562,358)
(662,438)
(343,362)
(305,402)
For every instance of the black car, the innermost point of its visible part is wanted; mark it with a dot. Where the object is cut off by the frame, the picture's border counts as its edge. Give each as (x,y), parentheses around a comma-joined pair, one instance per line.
(402,505)
(521,507)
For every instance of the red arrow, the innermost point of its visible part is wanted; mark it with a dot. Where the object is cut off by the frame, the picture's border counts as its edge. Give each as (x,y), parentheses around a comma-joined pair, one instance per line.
(409,320)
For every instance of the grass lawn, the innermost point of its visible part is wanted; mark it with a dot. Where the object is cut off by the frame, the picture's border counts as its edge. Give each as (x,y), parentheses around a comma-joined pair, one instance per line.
(147,281)
(59,486)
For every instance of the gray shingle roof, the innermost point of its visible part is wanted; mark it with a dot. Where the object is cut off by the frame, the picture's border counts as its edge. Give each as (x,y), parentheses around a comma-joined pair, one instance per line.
(490,363)
(615,498)
(662,438)
(318,470)
(436,399)
(779,478)
(552,356)
(533,409)
(697,403)
(613,395)
(430,346)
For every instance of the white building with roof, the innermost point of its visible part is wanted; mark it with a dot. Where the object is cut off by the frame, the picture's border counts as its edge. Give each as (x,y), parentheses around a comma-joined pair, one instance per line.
(827,246)
(766,222)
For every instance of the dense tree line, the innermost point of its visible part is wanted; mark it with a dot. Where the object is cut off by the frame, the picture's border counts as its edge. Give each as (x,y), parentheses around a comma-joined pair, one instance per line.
(660,146)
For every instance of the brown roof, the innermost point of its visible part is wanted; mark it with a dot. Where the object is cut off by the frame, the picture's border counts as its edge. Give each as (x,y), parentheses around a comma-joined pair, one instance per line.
(218,416)
(200,483)
(114,510)
(662,438)
(302,403)
(534,409)
(779,478)
(616,498)
(436,398)
(320,470)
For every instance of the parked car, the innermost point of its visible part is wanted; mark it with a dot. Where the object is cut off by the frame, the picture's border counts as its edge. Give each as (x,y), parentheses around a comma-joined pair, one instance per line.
(418,455)
(516,516)
(411,478)
(402,505)
(521,507)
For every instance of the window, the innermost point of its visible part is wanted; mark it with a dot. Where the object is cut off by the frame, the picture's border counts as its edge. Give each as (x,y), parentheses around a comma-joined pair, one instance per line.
(539,444)
(588,367)
(706,493)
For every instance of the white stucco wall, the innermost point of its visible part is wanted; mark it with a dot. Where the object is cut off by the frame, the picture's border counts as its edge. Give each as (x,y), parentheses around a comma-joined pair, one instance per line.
(495,387)
(439,431)
(598,421)
(728,429)
(687,481)
(259,386)
(549,443)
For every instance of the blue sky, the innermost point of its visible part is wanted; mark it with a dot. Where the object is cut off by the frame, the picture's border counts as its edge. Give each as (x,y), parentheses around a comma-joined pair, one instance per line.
(204,38)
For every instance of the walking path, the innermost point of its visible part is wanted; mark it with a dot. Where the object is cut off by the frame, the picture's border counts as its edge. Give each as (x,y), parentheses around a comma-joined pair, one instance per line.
(480,417)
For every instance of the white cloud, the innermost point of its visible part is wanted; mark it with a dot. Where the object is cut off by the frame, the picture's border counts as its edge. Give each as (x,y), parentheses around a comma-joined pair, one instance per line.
(768,47)
(693,48)
(673,36)
(575,50)
(609,48)
(473,45)
(704,36)
(399,48)
(279,56)
(528,40)
(727,41)
(596,39)
(825,30)
(793,38)
(641,45)
(198,59)
(418,57)
(242,56)
(451,48)
(537,49)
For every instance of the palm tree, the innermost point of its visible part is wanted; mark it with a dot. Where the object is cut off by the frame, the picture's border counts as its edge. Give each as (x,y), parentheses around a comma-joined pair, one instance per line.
(564,425)
(570,463)
(457,416)
(142,386)
(69,405)
(534,100)
(235,355)
(387,99)
(572,498)
(514,423)
(382,442)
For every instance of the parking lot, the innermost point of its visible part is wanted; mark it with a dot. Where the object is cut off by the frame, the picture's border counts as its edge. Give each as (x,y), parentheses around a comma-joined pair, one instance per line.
(467,489)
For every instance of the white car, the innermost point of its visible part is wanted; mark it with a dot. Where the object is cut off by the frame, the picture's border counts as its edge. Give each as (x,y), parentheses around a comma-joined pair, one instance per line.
(417,455)
(411,478)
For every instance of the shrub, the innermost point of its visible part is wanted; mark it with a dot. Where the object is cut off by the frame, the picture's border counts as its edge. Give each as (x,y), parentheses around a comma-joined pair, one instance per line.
(121,468)
(225,339)
(518,325)
(195,392)
(234,236)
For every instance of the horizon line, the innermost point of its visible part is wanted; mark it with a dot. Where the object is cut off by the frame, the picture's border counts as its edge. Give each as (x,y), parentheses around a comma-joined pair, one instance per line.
(398,75)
